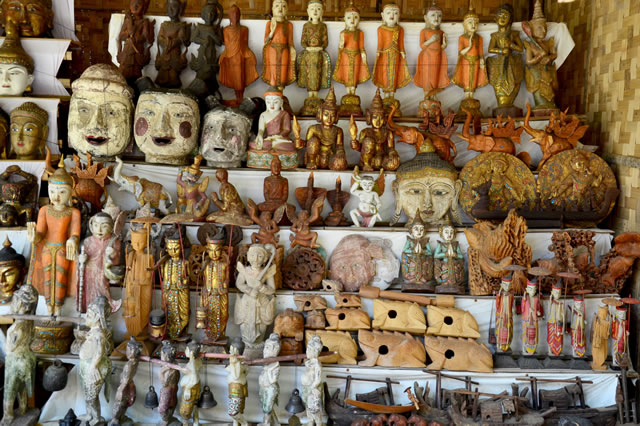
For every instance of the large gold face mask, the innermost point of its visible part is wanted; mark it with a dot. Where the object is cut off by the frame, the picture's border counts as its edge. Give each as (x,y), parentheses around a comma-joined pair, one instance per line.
(32,18)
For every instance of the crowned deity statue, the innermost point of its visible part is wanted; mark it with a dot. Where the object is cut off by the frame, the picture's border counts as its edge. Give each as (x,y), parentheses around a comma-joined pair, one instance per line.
(28,132)
(16,67)
(215,290)
(174,272)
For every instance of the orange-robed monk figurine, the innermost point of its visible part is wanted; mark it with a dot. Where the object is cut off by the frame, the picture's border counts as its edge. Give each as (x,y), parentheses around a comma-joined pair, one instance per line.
(391,71)
(55,238)
(279,52)
(237,62)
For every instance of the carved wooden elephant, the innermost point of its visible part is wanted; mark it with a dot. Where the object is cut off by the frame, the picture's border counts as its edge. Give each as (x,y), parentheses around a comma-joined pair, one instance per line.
(392,315)
(391,349)
(458,354)
(347,319)
(451,322)
(340,342)
(289,324)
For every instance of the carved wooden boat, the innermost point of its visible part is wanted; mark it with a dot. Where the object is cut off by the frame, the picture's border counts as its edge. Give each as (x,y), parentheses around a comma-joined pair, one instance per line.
(381,409)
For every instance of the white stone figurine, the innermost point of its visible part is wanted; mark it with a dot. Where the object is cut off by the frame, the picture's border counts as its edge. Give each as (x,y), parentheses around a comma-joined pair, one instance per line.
(369,192)
(312,388)
(269,389)
(238,389)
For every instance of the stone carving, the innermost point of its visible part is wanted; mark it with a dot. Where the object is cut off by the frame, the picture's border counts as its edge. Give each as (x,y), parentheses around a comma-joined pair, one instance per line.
(237,386)
(28,131)
(387,349)
(358,261)
(451,322)
(166,126)
(225,135)
(231,209)
(392,315)
(27,18)
(173,35)
(16,67)
(312,385)
(100,113)
(145,191)
(208,35)
(269,388)
(458,354)
(347,319)
(368,192)
(135,40)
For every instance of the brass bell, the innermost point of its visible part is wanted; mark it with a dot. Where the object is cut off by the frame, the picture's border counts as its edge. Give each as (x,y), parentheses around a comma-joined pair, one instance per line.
(295,405)
(151,399)
(201,318)
(206,399)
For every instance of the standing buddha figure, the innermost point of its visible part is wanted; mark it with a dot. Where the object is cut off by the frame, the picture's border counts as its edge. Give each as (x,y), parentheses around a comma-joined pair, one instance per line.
(470,72)
(173,35)
(391,72)
(279,52)
(136,301)
(237,62)
(314,63)
(505,67)
(431,69)
(55,238)
(351,66)
(215,292)
(174,270)
(540,73)
(135,40)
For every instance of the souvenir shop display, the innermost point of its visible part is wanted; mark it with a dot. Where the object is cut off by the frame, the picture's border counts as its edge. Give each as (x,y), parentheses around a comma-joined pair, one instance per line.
(166,125)
(16,66)
(146,192)
(28,131)
(448,263)
(272,139)
(18,194)
(174,34)
(135,40)
(351,65)
(431,69)
(208,36)
(231,210)
(390,71)
(325,141)
(31,18)
(12,271)
(279,52)
(225,135)
(504,67)
(368,190)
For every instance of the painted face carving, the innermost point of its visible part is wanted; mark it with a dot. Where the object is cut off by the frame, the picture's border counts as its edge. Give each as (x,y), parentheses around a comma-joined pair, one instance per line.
(417,232)
(314,11)
(59,195)
(225,135)
(471,24)
(166,126)
(100,113)
(256,256)
(273,102)
(433,18)
(28,131)
(14,79)
(279,8)
(33,18)
(101,226)
(214,251)
(391,16)
(351,20)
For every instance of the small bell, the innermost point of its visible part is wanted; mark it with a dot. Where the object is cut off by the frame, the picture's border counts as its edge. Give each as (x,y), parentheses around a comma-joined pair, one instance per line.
(157,320)
(206,399)
(295,405)
(70,419)
(55,377)
(151,399)
(201,318)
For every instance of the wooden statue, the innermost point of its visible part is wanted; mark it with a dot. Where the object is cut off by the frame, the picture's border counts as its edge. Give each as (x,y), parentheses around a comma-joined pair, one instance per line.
(451,322)
(578,327)
(448,263)
(304,267)
(555,321)
(307,195)
(431,69)
(498,137)
(390,71)
(237,62)
(205,64)
(470,73)
(190,384)
(276,191)
(391,349)
(504,315)
(306,303)
(29,132)
(55,238)
(325,140)
(126,392)
(346,300)
(98,251)
(90,181)
(458,354)
(540,72)
(561,134)
(12,271)
(94,367)
(392,315)
(312,385)
(351,66)
(174,270)
(192,198)
(337,199)
(231,209)
(332,286)
(531,311)
(269,388)
(620,336)
(255,308)
(600,331)
(301,233)
(20,361)
(368,192)
(289,324)
(267,234)
(347,319)
(279,52)
(505,68)
(173,35)
(238,388)
(340,342)
(138,290)
(135,40)
(170,378)
(376,144)
(417,259)
(215,289)
(19,191)
(314,64)
(145,191)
